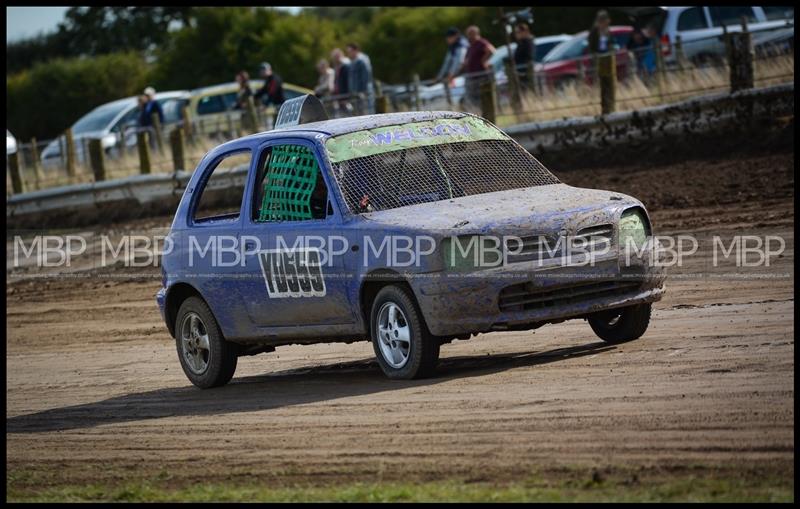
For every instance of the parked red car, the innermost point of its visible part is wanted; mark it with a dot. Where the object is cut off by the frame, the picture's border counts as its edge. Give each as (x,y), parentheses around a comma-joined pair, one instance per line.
(560,66)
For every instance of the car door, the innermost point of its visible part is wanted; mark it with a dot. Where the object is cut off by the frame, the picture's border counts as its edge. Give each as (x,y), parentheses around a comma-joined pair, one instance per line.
(292,243)
(210,247)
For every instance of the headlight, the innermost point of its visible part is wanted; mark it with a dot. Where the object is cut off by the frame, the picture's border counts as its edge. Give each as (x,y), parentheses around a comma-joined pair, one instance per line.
(633,226)
(471,252)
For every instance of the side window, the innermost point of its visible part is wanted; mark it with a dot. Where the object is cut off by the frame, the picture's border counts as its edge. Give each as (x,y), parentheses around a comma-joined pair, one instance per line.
(172,110)
(621,39)
(731,15)
(692,19)
(777,13)
(210,104)
(221,195)
(131,118)
(290,186)
(229,100)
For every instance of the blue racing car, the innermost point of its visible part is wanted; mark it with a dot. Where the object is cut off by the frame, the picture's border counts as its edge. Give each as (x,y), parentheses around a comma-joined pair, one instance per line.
(406,229)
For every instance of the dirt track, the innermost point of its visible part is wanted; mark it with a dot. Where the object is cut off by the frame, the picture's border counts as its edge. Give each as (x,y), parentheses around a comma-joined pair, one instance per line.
(95,392)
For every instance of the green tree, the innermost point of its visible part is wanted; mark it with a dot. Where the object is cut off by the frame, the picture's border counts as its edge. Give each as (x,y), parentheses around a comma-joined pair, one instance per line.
(50,97)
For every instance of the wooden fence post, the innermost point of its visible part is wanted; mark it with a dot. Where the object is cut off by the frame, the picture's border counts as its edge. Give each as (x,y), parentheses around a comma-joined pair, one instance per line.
(740,59)
(607,75)
(513,84)
(659,68)
(157,132)
(70,150)
(680,56)
(37,166)
(143,143)
(488,100)
(187,122)
(97,159)
(178,148)
(16,178)
(250,113)
(416,92)
(530,69)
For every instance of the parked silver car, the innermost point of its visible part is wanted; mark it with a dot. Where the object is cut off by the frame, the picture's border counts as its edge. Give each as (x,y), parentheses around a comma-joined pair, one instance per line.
(701,28)
(113,122)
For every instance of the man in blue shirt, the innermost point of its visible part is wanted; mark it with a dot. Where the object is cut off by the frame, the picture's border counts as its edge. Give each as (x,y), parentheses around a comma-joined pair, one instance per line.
(149,107)
(360,79)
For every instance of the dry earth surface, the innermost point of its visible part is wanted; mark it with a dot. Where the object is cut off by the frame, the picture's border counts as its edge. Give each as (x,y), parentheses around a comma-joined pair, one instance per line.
(95,394)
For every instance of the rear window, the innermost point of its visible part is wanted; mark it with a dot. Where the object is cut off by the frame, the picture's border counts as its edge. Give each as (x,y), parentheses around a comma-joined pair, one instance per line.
(431,161)
(692,19)
(730,15)
(779,12)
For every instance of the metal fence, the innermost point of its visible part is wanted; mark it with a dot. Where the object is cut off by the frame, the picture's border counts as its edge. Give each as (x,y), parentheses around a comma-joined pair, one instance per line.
(583,85)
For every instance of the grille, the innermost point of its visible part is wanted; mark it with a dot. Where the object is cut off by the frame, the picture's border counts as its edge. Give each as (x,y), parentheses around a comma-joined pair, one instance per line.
(525,297)
(439,172)
(543,247)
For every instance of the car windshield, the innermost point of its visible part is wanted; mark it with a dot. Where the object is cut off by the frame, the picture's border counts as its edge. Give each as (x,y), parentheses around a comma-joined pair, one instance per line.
(572,48)
(429,161)
(100,118)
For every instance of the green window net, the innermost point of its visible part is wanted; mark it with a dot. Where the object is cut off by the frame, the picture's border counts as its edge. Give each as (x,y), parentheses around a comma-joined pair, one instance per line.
(290,180)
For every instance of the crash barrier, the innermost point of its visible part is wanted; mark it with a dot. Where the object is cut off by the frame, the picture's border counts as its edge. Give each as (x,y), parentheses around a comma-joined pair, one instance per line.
(586,139)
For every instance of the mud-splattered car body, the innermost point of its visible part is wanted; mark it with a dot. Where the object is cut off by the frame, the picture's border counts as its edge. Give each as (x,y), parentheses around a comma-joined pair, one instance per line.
(455,299)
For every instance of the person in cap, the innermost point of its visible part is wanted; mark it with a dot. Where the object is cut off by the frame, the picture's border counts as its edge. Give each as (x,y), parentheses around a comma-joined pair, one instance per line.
(272,90)
(600,34)
(454,57)
(149,107)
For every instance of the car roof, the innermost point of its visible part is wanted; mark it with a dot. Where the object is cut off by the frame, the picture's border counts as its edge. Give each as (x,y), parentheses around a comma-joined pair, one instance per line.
(334,127)
(338,126)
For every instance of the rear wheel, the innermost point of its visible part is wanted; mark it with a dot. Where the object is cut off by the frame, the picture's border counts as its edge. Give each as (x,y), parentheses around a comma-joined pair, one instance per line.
(403,346)
(621,324)
(206,358)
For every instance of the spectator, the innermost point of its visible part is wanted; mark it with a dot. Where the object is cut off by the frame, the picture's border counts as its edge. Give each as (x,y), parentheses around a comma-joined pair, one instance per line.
(454,57)
(360,74)
(641,46)
(245,92)
(149,107)
(341,69)
(272,90)
(476,64)
(600,40)
(325,84)
(525,52)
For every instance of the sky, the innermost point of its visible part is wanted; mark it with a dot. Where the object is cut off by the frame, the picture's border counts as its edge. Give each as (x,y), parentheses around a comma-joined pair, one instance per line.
(23,22)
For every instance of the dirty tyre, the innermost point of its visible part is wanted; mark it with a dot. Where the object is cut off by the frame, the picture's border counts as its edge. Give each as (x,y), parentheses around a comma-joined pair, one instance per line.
(403,346)
(621,324)
(206,358)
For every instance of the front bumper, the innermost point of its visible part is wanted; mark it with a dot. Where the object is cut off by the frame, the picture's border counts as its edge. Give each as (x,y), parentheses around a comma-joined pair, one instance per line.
(456,305)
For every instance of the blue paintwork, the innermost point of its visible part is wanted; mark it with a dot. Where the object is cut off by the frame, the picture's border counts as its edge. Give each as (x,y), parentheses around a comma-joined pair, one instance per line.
(451,306)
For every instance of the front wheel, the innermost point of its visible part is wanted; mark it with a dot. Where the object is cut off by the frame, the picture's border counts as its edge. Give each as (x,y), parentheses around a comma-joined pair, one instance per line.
(206,358)
(621,324)
(404,347)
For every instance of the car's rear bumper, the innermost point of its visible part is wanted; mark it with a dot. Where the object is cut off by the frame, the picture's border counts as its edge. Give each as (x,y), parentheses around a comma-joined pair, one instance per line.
(463,305)
(161,299)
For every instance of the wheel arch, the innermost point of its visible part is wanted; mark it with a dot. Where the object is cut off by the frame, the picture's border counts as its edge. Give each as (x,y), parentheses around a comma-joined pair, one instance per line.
(176,295)
(373,282)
